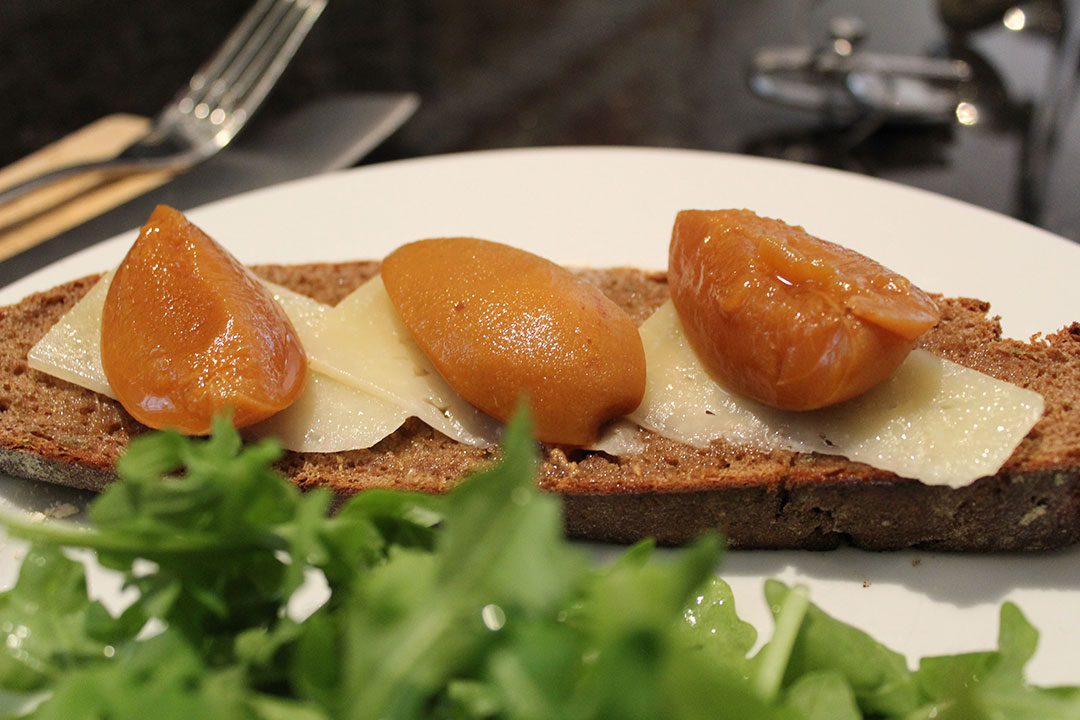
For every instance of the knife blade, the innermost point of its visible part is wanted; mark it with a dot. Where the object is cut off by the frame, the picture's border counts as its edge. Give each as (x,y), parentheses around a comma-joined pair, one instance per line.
(329,134)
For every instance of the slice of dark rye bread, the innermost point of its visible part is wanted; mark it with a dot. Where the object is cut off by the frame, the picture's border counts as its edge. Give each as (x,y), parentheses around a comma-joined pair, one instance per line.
(54,431)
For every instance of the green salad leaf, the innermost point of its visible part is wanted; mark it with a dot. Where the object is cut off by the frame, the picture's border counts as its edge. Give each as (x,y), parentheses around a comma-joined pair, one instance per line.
(250,599)
(878,676)
(992,684)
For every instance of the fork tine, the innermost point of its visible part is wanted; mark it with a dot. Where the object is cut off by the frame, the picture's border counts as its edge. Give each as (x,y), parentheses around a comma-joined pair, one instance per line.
(236,80)
(271,31)
(213,68)
(249,89)
(235,62)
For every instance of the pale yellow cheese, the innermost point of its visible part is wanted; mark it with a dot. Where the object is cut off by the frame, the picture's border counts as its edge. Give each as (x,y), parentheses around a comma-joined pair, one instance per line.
(366,375)
(327,417)
(362,342)
(330,416)
(934,420)
(304,312)
(619,439)
(71,349)
(681,400)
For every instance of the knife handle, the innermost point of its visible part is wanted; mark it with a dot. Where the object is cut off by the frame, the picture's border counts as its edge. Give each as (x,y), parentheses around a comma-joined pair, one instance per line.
(49,211)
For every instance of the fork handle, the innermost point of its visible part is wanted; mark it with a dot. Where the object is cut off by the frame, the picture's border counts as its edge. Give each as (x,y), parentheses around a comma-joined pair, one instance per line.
(48,211)
(85,150)
(13,193)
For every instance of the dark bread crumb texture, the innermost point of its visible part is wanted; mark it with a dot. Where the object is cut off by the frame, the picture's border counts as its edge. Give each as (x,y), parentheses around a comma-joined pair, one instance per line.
(52,430)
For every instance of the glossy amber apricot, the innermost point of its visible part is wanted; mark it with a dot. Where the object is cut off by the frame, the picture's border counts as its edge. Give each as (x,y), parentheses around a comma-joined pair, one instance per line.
(786,318)
(188,332)
(502,325)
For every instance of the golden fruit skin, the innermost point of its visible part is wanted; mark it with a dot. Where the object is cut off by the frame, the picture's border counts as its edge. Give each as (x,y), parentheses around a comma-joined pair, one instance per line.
(786,318)
(188,332)
(501,324)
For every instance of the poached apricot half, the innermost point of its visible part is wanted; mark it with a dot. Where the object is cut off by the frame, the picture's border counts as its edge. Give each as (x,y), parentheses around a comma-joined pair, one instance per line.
(502,325)
(786,318)
(188,332)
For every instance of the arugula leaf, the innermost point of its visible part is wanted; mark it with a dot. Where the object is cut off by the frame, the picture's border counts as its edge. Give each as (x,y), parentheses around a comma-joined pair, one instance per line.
(421,619)
(772,661)
(717,647)
(991,685)
(468,605)
(161,677)
(823,695)
(227,491)
(879,677)
(43,622)
(220,530)
(628,615)
(712,627)
(359,535)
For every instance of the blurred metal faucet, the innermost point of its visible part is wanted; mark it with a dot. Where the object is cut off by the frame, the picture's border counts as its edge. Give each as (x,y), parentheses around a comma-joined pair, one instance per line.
(847,84)
(969,15)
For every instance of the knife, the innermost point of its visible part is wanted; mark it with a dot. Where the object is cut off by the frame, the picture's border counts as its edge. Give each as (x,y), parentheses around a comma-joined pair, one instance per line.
(326,135)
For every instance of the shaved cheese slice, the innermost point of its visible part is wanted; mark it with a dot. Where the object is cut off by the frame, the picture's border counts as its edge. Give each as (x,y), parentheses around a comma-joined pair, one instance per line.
(330,417)
(363,343)
(71,349)
(369,315)
(681,399)
(620,438)
(327,417)
(933,420)
(304,312)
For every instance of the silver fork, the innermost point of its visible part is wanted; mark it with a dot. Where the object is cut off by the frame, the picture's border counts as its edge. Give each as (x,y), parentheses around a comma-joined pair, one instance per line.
(217,101)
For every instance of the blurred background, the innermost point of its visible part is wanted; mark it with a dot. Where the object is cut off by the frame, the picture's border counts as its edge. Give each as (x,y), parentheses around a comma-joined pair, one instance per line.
(972,99)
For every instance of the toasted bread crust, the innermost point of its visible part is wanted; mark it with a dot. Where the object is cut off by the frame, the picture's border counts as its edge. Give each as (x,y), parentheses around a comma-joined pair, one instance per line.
(54,431)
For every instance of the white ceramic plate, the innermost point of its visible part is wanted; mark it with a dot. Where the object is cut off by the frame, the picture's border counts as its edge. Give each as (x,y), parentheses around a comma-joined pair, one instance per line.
(614,206)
